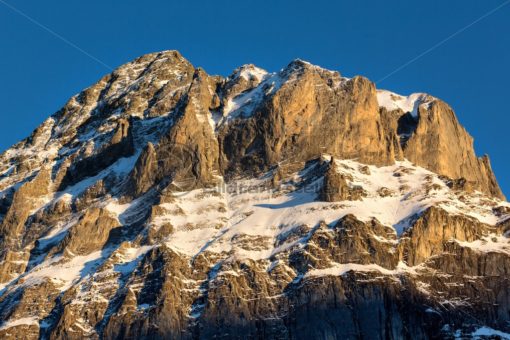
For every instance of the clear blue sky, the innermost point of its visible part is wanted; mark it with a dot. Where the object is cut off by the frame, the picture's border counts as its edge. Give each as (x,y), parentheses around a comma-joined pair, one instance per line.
(471,71)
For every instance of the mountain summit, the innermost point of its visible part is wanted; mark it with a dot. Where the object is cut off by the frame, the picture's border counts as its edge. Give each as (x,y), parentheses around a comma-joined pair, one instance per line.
(163,202)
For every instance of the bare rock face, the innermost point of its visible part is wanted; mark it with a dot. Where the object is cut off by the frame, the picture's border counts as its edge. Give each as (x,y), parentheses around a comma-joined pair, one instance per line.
(442,145)
(90,234)
(314,111)
(348,241)
(335,187)
(433,229)
(188,153)
(25,199)
(120,145)
(163,202)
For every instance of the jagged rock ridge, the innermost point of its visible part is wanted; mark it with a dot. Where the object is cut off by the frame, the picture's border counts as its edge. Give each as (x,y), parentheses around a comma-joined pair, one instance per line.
(163,202)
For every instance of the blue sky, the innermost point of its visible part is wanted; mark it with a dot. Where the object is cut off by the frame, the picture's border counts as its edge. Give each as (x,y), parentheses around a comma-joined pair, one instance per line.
(470,71)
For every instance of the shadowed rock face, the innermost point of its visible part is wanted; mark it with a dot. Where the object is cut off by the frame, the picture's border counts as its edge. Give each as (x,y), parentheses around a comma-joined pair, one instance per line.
(120,145)
(163,202)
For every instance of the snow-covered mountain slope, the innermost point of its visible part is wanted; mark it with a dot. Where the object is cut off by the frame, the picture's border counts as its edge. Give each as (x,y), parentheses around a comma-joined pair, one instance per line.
(210,219)
(162,202)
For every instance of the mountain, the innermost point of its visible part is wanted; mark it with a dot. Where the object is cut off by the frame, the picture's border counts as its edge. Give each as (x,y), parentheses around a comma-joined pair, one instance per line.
(163,202)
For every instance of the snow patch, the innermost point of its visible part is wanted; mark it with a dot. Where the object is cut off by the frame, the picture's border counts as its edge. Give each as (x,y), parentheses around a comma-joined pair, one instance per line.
(339,269)
(245,103)
(250,72)
(65,274)
(392,101)
(128,259)
(489,332)
(28,321)
(489,244)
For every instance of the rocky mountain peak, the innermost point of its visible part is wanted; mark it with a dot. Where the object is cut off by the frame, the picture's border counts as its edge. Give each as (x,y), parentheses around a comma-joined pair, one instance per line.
(249,72)
(166,202)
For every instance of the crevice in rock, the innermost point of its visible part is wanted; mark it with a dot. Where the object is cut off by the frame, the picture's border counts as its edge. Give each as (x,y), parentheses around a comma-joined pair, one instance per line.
(406,126)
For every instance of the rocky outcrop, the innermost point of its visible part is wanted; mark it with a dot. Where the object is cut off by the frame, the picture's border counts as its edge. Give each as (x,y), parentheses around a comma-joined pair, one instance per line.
(24,200)
(91,233)
(242,79)
(188,154)
(335,187)
(442,145)
(348,241)
(165,276)
(120,145)
(433,229)
(13,225)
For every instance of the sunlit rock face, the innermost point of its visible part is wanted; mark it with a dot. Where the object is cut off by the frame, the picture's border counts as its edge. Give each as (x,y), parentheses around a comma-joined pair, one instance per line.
(163,202)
